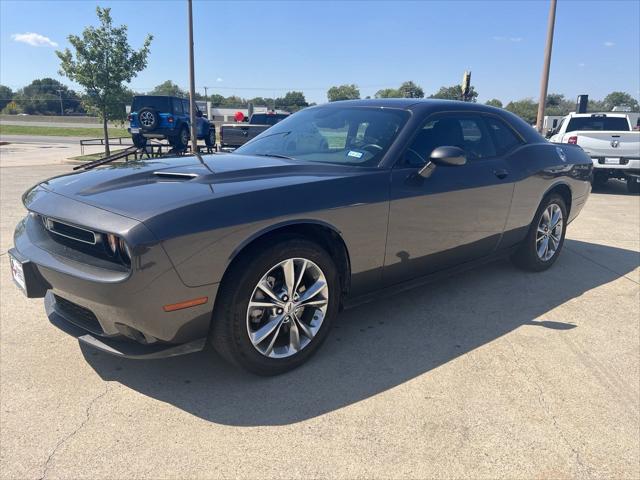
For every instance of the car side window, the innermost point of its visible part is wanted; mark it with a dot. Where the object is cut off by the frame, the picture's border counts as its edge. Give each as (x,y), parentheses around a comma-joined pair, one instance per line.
(504,138)
(185,107)
(468,132)
(177,106)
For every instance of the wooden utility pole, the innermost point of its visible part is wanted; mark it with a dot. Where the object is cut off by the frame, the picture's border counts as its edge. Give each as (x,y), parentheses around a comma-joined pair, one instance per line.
(544,81)
(192,84)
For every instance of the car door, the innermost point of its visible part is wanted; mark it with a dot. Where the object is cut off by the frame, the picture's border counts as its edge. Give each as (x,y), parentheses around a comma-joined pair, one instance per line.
(455,215)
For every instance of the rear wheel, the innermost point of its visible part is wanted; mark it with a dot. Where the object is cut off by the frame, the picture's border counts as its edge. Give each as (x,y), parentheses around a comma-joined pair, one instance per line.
(545,239)
(139,140)
(633,184)
(181,140)
(276,306)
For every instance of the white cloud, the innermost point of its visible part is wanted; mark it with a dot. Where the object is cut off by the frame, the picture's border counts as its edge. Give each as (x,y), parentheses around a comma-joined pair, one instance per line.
(507,39)
(34,39)
(219,79)
(581,64)
(609,44)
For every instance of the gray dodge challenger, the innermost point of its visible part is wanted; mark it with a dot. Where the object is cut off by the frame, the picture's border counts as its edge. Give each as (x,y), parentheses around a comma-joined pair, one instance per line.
(257,251)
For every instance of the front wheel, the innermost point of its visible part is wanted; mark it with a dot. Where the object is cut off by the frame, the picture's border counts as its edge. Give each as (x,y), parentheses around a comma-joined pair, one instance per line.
(210,138)
(542,246)
(276,306)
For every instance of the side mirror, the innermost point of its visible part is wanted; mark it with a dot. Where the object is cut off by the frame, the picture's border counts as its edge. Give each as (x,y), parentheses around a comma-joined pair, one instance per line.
(198,114)
(450,156)
(447,156)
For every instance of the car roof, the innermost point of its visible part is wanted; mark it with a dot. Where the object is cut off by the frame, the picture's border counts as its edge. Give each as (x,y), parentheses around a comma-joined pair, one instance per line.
(157,96)
(415,104)
(600,114)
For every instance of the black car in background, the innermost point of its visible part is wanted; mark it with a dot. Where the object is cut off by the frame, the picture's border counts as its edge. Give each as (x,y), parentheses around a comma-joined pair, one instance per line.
(233,135)
(258,250)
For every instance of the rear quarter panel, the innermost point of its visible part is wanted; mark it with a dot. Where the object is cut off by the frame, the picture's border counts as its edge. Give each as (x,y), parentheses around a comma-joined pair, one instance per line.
(537,169)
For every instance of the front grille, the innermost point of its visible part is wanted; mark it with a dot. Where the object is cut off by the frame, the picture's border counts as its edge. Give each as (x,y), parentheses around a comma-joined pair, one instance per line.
(81,316)
(69,231)
(74,239)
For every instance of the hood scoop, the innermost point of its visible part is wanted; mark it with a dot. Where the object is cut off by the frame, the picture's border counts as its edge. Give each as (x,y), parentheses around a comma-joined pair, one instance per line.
(175,176)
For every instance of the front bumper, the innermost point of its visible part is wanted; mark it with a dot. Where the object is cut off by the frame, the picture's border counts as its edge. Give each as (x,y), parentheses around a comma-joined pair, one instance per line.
(119,310)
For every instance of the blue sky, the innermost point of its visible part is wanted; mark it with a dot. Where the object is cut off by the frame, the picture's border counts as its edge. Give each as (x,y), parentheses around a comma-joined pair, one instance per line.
(266,48)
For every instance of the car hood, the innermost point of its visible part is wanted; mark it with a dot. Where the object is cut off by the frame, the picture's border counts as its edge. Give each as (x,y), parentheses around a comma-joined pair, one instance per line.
(144,189)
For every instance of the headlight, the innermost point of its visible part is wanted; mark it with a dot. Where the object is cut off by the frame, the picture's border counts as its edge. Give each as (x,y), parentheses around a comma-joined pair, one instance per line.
(112,241)
(125,253)
(117,247)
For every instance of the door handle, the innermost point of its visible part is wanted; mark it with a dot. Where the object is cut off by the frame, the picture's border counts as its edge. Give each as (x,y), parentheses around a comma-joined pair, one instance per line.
(501,173)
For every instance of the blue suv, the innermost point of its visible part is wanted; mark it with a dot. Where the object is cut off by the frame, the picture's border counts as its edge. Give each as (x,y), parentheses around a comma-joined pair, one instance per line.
(155,116)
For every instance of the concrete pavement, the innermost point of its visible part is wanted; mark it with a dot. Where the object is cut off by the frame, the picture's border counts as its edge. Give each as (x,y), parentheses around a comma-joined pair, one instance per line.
(492,374)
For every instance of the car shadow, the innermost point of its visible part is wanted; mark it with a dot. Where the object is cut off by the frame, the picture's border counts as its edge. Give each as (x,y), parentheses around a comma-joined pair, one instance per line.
(376,346)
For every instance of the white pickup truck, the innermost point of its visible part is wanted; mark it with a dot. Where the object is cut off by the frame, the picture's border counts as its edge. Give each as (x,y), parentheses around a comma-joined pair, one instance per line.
(609,139)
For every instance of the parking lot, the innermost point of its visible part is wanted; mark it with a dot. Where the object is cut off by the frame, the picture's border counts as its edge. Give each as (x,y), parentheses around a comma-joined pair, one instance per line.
(495,373)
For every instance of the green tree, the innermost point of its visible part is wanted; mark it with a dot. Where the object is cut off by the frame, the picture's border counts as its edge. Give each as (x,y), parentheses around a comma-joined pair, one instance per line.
(42,97)
(6,96)
(596,106)
(618,99)
(526,109)
(11,108)
(494,102)
(235,102)
(292,101)
(410,90)
(103,62)
(454,93)
(169,89)
(216,100)
(556,104)
(388,93)
(343,92)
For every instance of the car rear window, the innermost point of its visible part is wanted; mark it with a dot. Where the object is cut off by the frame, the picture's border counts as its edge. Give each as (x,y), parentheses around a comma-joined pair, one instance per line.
(598,123)
(157,103)
(267,118)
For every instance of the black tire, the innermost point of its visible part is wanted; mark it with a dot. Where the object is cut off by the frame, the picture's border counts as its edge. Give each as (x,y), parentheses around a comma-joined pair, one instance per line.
(633,184)
(139,140)
(229,333)
(526,257)
(210,138)
(181,140)
(599,180)
(148,119)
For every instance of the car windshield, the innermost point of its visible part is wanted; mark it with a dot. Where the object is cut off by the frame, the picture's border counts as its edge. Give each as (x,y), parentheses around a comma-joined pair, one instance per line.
(596,122)
(340,135)
(158,103)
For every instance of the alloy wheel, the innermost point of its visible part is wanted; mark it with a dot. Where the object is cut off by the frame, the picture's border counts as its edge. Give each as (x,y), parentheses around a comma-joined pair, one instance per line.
(287,308)
(549,232)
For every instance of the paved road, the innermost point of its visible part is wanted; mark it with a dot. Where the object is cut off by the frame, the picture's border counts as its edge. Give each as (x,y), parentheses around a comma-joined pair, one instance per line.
(50,123)
(492,374)
(47,139)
